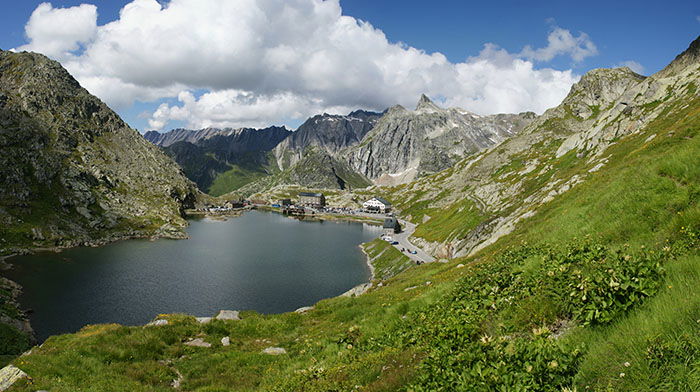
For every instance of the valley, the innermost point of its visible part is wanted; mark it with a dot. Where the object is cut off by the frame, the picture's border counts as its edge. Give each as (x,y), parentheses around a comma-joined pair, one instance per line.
(566,244)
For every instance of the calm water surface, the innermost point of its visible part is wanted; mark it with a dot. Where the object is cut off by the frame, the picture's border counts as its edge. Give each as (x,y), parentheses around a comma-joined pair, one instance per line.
(259,261)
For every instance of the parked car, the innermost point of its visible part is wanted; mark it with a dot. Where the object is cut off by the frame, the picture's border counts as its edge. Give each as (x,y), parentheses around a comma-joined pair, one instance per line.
(394,242)
(413,252)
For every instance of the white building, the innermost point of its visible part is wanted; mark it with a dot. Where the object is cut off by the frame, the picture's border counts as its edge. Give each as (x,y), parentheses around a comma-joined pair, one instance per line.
(377,204)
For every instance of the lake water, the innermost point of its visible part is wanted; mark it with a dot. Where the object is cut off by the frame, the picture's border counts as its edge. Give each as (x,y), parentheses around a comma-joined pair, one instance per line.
(260,261)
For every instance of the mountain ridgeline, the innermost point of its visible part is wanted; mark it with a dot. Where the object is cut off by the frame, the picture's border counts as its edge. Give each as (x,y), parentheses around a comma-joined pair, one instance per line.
(342,152)
(222,160)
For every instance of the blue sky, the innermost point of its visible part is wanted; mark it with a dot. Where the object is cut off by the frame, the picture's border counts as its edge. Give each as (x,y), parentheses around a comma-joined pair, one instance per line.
(649,34)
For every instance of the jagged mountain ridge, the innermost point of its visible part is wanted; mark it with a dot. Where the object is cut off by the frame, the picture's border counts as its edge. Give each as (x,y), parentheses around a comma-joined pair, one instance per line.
(405,145)
(71,170)
(332,133)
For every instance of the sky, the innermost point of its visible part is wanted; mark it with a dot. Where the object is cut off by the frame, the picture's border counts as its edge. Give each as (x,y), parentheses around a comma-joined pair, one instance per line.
(256,63)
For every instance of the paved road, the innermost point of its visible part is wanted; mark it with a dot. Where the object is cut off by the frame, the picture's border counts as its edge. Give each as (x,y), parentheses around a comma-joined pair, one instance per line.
(402,238)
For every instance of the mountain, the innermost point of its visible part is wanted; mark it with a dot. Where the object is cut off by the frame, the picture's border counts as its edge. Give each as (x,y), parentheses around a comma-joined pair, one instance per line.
(72,172)
(331,133)
(566,146)
(71,169)
(317,169)
(222,160)
(405,145)
(227,140)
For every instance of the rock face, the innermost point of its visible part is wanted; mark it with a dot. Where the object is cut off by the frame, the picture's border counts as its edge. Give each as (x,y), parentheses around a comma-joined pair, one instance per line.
(10,375)
(71,170)
(329,133)
(407,144)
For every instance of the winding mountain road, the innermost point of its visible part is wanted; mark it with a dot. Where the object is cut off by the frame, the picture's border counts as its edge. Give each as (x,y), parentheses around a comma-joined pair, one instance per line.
(403,242)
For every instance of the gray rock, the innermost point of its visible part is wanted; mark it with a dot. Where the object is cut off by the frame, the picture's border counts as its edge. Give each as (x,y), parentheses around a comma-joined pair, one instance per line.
(405,145)
(228,315)
(10,375)
(158,323)
(274,351)
(203,320)
(304,309)
(198,342)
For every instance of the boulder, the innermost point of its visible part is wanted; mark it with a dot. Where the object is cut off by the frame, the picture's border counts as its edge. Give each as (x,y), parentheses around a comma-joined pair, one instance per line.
(228,315)
(199,342)
(10,375)
(203,320)
(158,323)
(304,309)
(274,351)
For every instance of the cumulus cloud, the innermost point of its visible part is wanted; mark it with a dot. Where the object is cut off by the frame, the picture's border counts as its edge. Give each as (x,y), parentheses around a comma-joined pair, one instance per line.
(57,32)
(261,62)
(633,65)
(562,42)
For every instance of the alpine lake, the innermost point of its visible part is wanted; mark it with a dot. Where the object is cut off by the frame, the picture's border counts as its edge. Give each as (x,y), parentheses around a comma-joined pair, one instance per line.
(258,261)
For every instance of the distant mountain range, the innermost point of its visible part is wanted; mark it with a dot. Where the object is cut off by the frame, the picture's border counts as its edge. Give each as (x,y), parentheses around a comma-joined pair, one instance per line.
(354,150)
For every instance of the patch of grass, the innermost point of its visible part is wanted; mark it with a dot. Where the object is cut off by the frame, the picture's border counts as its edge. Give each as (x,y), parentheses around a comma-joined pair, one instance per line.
(451,223)
(386,259)
(233,179)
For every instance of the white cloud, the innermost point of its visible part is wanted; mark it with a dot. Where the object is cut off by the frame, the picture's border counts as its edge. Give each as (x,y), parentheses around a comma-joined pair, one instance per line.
(263,61)
(633,65)
(58,31)
(562,42)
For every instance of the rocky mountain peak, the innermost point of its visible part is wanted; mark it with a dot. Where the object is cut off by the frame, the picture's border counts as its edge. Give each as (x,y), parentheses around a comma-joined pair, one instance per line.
(598,88)
(425,104)
(689,57)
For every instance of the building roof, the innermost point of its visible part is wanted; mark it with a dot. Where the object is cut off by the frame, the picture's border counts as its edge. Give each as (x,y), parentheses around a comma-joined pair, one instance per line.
(310,194)
(390,223)
(383,201)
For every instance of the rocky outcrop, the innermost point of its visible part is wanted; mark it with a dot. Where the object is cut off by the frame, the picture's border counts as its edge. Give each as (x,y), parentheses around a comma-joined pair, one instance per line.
(9,375)
(72,170)
(327,132)
(405,144)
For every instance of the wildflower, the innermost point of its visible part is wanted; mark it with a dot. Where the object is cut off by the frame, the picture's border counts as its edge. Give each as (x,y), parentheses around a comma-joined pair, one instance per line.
(627,364)
(553,364)
(622,375)
(485,339)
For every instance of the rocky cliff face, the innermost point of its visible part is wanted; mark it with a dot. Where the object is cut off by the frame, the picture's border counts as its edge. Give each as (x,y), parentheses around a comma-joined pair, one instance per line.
(330,133)
(407,144)
(71,170)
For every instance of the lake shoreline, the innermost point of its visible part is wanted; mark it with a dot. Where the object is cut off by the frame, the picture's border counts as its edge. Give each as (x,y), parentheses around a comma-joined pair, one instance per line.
(5,260)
